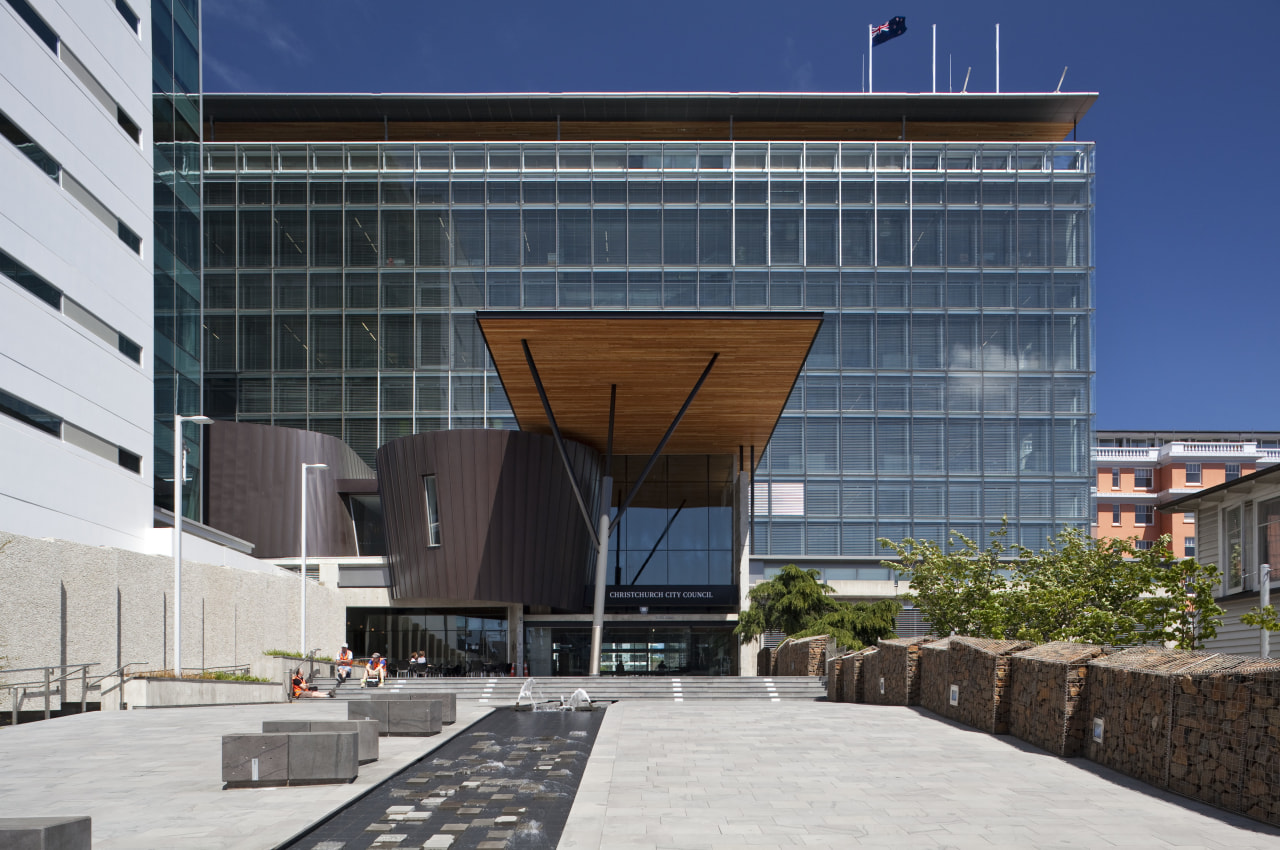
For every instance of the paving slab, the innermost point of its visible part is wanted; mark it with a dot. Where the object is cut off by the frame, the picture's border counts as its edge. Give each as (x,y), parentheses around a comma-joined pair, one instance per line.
(846,775)
(153,778)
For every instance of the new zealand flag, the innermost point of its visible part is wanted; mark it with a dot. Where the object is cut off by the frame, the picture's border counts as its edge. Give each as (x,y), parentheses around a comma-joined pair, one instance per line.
(894,28)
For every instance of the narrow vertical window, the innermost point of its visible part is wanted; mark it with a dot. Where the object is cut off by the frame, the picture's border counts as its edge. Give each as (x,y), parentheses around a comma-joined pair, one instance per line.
(433,510)
(1115,478)
(1115,514)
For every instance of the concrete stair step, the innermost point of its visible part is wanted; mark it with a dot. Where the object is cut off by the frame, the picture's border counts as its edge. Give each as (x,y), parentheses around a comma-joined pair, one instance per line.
(505,690)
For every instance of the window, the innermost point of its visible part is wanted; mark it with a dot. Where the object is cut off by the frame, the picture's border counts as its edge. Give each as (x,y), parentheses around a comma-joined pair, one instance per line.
(1115,514)
(1143,515)
(1193,473)
(1233,575)
(130,16)
(1115,478)
(1142,545)
(42,30)
(1189,517)
(1233,471)
(29,148)
(1142,479)
(433,510)
(30,414)
(1188,547)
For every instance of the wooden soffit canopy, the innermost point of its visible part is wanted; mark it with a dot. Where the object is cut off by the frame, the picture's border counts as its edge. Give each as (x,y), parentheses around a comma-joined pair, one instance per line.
(655,359)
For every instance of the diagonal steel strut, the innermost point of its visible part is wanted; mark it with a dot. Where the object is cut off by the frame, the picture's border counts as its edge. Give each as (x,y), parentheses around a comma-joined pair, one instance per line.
(653,458)
(555,431)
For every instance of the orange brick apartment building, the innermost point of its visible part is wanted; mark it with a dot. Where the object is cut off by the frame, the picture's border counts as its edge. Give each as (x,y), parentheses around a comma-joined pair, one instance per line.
(1137,469)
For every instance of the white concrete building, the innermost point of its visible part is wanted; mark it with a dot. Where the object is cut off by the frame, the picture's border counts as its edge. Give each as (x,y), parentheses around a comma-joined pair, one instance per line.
(76,304)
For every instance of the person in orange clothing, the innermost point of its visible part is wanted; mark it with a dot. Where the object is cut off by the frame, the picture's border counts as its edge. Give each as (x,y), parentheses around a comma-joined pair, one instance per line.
(301,689)
(375,669)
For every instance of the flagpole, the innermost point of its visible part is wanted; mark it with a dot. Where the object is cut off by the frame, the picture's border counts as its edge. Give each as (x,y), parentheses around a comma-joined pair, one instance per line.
(870,61)
(997,59)
(935,58)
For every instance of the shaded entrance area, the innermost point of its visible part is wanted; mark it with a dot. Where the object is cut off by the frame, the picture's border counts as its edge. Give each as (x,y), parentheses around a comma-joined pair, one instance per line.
(457,642)
(670,649)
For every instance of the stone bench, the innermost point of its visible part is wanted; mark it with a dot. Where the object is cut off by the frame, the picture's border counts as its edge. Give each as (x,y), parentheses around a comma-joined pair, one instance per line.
(66,833)
(400,717)
(257,759)
(449,700)
(368,730)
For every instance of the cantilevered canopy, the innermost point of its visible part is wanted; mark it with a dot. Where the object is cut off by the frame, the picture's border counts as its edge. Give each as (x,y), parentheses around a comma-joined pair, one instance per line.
(655,359)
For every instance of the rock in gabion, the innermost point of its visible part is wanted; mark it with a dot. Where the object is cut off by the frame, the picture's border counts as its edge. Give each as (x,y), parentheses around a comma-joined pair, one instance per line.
(935,675)
(1260,772)
(1047,695)
(1131,707)
(889,676)
(849,674)
(1223,737)
(764,661)
(977,674)
(802,657)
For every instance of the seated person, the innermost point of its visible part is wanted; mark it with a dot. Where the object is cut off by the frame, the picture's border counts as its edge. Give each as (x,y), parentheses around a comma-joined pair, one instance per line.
(344,664)
(376,669)
(421,669)
(300,688)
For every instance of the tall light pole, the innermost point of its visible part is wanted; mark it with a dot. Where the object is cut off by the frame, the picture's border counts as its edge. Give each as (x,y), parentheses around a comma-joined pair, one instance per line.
(302,534)
(179,472)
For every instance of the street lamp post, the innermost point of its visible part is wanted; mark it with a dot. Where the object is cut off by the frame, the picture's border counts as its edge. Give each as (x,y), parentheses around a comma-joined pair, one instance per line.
(179,472)
(302,570)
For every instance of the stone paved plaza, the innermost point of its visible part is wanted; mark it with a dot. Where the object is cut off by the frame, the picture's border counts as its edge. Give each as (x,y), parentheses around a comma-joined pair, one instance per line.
(662,775)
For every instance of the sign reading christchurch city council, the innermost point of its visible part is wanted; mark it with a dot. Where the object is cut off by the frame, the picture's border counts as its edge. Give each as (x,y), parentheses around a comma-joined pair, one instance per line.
(668,596)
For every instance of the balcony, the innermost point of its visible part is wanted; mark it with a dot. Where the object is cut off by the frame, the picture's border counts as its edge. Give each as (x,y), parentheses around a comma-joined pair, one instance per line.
(1107,453)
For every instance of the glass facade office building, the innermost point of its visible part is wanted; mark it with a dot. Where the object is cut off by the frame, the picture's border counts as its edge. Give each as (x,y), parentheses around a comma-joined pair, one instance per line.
(175,73)
(949,387)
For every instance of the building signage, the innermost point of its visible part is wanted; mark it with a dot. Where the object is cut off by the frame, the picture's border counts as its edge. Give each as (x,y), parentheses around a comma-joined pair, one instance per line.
(667,596)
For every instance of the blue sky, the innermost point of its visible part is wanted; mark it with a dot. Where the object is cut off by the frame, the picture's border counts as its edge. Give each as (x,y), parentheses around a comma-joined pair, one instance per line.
(1187,124)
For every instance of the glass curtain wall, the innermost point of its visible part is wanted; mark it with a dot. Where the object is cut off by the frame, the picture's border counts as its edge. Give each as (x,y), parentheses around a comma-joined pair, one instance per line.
(456,643)
(950,385)
(175,72)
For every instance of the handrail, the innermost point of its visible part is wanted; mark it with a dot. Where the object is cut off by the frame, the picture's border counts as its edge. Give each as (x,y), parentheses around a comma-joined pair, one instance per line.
(120,684)
(47,685)
(50,667)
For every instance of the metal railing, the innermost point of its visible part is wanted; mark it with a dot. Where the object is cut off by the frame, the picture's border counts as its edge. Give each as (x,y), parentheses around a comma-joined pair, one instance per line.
(18,690)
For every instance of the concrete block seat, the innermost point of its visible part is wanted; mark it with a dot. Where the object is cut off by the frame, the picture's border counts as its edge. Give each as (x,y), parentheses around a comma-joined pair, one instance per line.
(449,701)
(368,729)
(400,717)
(65,833)
(258,759)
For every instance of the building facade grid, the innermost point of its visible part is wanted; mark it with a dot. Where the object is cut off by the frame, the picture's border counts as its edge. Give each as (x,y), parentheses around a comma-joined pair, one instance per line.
(950,385)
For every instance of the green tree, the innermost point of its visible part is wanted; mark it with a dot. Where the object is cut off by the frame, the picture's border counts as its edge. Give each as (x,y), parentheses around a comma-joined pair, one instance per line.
(795,603)
(1262,618)
(1079,588)
(965,591)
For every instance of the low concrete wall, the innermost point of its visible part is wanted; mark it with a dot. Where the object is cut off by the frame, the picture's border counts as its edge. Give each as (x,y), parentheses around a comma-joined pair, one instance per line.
(80,604)
(802,657)
(168,693)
